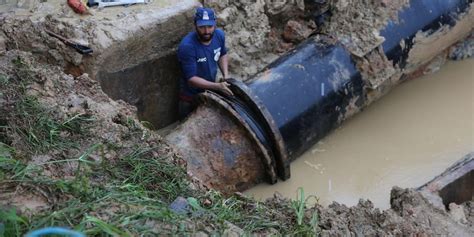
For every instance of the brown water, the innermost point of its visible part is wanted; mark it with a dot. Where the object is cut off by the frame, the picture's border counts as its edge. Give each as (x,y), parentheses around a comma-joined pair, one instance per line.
(405,139)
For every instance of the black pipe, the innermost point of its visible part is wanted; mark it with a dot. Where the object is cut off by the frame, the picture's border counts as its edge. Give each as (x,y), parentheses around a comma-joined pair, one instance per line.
(232,143)
(307,92)
(425,15)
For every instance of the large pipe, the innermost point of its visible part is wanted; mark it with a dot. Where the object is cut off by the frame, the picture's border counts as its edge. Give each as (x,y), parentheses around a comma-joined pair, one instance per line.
(233,143)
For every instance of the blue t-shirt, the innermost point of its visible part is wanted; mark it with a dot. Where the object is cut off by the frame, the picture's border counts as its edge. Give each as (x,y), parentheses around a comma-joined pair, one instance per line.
(200,60)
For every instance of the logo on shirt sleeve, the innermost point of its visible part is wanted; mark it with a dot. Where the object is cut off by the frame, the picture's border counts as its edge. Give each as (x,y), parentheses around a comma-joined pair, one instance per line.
(217,54)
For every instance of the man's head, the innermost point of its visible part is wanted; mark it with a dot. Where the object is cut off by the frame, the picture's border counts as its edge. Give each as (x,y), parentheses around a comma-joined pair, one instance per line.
(205,22)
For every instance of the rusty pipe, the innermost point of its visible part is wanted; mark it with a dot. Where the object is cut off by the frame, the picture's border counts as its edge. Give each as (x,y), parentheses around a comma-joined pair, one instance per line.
(233,143)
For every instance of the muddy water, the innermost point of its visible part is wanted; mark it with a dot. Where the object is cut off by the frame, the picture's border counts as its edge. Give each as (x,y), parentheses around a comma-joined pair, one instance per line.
(405,139)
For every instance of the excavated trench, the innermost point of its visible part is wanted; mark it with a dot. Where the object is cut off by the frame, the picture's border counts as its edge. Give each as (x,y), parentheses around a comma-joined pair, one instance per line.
(144,72)
(328,81)
(221,141)
(453,187)
(152,86)
(134,47)
(460,190)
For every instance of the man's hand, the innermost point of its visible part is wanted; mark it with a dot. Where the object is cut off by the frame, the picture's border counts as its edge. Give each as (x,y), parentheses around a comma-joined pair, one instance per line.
(224,88)
(204,84)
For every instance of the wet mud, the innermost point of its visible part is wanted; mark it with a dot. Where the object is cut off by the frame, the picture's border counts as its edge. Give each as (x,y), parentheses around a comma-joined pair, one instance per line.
(406,138)
(68,82)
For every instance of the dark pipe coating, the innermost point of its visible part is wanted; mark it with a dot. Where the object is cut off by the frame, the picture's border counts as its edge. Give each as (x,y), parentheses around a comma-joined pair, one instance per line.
(298,99)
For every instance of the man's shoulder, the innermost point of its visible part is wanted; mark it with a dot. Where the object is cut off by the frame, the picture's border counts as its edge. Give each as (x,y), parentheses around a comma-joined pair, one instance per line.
(188,40)
(219,32)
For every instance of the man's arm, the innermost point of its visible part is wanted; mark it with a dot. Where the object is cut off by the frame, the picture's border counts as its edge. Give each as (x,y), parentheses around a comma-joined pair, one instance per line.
(223,61)
(188,65)
(224,66)
(202,83)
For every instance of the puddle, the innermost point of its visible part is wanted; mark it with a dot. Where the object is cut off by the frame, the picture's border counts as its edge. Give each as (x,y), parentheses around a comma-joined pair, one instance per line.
(408,137)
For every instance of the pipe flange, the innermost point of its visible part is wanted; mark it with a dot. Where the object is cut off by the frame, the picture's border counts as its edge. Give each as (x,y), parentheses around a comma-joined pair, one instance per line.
(279,150)
(215,99)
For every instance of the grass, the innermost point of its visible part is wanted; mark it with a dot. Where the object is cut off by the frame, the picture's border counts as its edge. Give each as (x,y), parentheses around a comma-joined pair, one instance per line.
(34,123)
(11,167)
(157,176)
(299,207)
(132,186)
(127,195)
(41,131)
(80,159)
(11,224)
(138,190)
(252,216)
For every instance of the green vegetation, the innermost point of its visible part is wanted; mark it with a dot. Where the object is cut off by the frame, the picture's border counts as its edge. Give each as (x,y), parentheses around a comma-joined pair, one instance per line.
(139,191)
(112,189)
(299,206)
(12,224)
(131,192)
(40,131)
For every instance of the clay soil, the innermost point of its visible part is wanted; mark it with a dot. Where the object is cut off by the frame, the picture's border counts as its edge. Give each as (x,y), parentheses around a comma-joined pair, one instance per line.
(108,130)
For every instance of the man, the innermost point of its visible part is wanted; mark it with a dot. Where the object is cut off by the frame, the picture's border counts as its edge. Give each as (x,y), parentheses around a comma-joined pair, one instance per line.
(199,54)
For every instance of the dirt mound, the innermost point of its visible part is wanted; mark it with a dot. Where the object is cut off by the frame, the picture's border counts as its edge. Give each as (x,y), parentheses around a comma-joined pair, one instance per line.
(52,122)
(357,23)
(410,214)
(255,31)
(260,31)
(67,148)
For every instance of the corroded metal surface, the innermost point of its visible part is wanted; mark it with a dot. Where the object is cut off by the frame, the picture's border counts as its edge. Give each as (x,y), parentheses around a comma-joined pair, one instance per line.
(219,151)
(214,99)
(305,94)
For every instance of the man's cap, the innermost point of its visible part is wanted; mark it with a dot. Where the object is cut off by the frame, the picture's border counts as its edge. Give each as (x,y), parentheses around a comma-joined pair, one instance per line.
(204,17)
